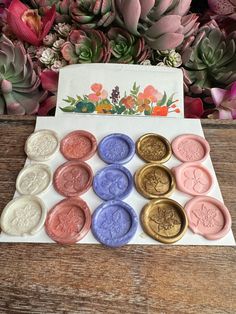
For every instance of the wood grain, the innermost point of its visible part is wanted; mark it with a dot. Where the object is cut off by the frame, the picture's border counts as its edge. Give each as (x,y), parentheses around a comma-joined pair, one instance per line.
(49,278)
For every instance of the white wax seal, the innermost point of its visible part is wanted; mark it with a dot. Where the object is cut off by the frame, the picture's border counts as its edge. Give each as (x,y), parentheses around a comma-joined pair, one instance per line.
(42,145)
(24,215)
(33,179)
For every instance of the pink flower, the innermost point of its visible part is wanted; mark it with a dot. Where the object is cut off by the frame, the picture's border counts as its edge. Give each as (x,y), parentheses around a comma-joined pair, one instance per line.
(225,101)
(193,107)
(150,93)
(98,94)
(49,80)
(27,25)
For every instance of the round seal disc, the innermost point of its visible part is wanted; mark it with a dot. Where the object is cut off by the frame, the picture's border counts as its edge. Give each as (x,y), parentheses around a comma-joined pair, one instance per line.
(113,182)
(42,145)
(73,178)
(153,148)
(190,147)
(116,148)
(68,221)
(78,145)
(33,179)
(114,223)
(193,178)
(208,217)
(24,215)
(164,220)
(154,181)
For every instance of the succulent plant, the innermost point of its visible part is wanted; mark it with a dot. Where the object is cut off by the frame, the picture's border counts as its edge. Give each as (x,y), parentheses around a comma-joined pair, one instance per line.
(209,59)
(93,13)
(127,48)
(164,24)
(62,8)
(19,84)
(169,58)
(86,46)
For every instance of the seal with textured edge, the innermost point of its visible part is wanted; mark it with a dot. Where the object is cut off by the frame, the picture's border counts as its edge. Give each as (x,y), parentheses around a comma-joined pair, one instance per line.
(154,181)
(154,148)
(193,178)
(78,145)
(164,220)
(113,182)
(114,223)
(42,145)
(116,148)
(73,178)
(190,148)
(24,215)
(208,217)
(33,179)
(68,221)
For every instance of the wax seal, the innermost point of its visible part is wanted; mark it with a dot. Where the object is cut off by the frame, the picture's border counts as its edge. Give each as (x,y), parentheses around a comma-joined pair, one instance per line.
(190,147)
(116,148)
(153,148)
(153,181)
(73,178)
(164,220)
(68,221)
(24,215)
(113,182)
(33,179)
(42,145)
(193,178)
(208,217)
(114,223)
(78,145)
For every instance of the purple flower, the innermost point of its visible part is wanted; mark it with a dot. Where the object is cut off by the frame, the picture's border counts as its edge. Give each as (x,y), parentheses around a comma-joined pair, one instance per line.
(225,101)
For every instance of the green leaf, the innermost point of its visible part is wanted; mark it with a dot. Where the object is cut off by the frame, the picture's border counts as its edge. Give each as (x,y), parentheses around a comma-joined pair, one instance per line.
(163,100)
(170,100)
(121,109)
(147,112)
(68,109)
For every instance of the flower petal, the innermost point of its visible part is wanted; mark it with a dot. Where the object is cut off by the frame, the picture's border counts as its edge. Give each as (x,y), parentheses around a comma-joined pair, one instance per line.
(49,80)
(218,95)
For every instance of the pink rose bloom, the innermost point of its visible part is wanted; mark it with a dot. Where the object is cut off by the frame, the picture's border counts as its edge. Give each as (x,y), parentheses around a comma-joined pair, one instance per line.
(98,93)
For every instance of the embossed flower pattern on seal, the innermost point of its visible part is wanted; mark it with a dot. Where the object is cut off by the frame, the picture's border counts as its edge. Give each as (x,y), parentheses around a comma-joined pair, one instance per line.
(196,180)
(112,223)
(25,217)
(165,218)
(75,179)
(116,150)
(153,149)
(156,182)
(70,221)
(42,146)
(191,150)
(207,216)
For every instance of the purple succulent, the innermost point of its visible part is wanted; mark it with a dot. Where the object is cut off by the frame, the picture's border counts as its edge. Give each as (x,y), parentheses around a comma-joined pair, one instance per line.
(164,24)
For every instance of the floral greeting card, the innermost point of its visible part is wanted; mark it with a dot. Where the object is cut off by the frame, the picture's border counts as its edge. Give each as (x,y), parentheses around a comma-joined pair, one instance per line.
(119,89)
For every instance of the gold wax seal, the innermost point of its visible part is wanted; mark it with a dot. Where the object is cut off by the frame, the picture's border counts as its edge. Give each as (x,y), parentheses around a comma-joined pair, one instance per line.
(164,220)
(153,148)
(154,181)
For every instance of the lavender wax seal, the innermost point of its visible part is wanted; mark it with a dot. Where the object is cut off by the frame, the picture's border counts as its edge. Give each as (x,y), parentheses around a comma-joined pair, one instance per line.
(113,182)
(114,223)
(116,148)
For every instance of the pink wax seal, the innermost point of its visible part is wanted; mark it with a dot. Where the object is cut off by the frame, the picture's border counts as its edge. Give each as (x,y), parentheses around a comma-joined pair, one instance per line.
(193,178)
(73,178)
(190,147)
(68,221)
(78,145)
(208,217)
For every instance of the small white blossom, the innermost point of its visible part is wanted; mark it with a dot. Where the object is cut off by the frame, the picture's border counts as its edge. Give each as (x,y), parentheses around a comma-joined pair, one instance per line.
(146,62)
(48,57)
(63,29)
(58,44)
(49,39)
(173,59)
(58,64)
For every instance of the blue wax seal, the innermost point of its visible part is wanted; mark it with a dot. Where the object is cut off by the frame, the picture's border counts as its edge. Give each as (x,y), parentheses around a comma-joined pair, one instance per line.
(113,182)
(114,223)
(116,148)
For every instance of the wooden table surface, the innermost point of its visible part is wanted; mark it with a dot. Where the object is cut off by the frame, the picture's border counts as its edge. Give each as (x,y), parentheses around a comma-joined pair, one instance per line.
(50,278)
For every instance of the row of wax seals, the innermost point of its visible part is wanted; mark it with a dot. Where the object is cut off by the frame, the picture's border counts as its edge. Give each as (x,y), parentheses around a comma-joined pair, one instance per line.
(163,219)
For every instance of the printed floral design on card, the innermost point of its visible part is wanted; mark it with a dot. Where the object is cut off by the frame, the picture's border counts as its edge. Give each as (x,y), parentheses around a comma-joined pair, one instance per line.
(136,101)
